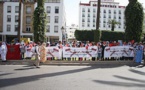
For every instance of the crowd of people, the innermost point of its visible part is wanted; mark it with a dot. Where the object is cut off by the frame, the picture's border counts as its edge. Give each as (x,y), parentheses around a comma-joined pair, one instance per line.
(40,49)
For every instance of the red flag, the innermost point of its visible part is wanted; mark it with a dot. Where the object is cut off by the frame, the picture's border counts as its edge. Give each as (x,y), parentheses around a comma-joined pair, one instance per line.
(13,52)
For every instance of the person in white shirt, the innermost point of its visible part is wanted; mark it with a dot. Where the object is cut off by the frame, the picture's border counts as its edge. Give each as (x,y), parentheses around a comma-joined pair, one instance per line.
(3,51)
(37,55)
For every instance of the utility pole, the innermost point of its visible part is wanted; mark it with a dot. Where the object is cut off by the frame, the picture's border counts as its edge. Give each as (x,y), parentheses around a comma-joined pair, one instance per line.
(98,15)
(19,23)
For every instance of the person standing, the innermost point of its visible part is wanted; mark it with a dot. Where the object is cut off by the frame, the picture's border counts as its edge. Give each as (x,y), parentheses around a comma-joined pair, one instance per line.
(43,52)
(139,53)
(37,55)
(22,50)
(103,45)
(99,52)
(3,51)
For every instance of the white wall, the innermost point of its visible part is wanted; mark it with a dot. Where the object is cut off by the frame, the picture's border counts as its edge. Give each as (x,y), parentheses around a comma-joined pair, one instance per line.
(12,14)
(101,16)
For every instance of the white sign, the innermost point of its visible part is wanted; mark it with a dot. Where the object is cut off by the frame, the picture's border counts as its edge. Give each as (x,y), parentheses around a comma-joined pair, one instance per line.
(69,52)
(119,51)
(54,52)
(104,0)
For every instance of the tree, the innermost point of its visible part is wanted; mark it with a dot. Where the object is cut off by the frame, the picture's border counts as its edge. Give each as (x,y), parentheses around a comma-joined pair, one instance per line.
(113,23)
(39,22)
(98,15)
(134,21)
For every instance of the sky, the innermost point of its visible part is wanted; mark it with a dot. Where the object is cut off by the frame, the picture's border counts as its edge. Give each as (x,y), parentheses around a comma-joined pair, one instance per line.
(72,9)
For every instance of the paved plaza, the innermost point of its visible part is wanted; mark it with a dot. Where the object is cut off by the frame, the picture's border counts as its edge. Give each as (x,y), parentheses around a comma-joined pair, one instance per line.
(23,77)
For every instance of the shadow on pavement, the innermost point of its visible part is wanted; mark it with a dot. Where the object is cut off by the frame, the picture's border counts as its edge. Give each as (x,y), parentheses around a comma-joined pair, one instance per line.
(137,72)
(19,80)
(130,79)
(115,83)
(134,82)
(25,68)
(25,79)
(5,74)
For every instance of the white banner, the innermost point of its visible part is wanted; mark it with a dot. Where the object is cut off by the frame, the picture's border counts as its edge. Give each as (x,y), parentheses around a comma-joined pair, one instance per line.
(69,52)
(54,52)
(119,51)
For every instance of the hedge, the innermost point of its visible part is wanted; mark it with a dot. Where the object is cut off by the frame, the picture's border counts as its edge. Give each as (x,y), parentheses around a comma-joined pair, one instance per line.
(97,35)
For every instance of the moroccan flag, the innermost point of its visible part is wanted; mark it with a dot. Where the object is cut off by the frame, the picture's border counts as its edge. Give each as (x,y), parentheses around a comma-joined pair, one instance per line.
(13,52)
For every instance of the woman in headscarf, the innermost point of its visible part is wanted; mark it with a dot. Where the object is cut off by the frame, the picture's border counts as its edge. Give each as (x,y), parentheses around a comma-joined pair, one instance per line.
(43,52)
(3,51)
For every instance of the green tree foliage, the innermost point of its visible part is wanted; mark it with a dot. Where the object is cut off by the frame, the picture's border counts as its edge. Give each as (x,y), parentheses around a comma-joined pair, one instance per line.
(39,22)
(112,36)
(86,35)
(134,21)
(113,23)
(97,35)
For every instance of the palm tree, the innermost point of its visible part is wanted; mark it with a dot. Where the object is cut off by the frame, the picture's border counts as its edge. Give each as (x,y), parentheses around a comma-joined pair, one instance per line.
(98,15)
(113,23)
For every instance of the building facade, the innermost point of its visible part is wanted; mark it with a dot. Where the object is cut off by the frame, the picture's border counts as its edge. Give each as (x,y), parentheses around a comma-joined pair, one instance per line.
(109,10)
(10,13)
(70,30)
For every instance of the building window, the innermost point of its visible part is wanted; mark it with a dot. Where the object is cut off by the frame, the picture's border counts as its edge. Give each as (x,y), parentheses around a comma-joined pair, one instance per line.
(9,18)
(88,15)
(109,11)
(56,29)
(104,21)
(93,25)
(94,10)
(56,19)
(83,15)
(88,19)
(28,9)
(109,16)
(83,25)
(16,27)
(56,9)
(104,16)
(9,9)
(94,15)
(114,17)
(93,20)
(83,20)
(104,11)
(48,19)
(8,28)
(104,26)
(114,12)
(28,29)
(48,9)
(48,28)
(88,10)
(28,20)
(16,9)
(88,25)
(16,18)
(119,17)
(83,10)
(119,12)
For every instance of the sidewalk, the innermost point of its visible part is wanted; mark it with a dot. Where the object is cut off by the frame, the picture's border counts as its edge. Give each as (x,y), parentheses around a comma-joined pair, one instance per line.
(69,63)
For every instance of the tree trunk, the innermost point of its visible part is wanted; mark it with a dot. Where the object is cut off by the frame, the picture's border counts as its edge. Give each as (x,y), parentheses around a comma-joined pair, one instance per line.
(98,15)
(19,23)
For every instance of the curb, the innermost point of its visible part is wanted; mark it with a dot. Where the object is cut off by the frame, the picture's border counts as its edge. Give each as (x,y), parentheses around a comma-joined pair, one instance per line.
(70,63)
